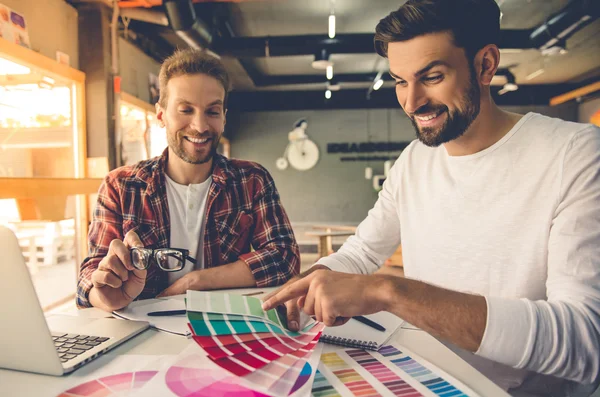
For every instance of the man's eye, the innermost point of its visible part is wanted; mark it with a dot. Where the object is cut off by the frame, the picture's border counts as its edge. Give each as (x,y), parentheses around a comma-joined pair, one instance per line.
(433,79)
(185,110)
(401,83)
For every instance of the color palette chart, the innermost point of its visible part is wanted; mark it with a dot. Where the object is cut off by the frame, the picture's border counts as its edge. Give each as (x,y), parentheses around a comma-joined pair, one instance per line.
(348,376)
(122,384)
(193,374)
(383,374)
(322,388)
(108,376)
(388,372)
(438,385)
(190,376)
(250,344)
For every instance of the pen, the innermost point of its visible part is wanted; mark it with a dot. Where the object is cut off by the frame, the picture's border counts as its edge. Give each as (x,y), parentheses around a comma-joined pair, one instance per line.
(167,313)
(368,322)
(253,293)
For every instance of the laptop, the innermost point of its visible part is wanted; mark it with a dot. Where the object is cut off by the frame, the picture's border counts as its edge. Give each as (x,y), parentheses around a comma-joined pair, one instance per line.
(56,345)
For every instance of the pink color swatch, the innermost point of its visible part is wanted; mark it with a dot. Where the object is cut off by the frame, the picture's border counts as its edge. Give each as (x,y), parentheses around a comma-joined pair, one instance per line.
(110,385)
(189,378)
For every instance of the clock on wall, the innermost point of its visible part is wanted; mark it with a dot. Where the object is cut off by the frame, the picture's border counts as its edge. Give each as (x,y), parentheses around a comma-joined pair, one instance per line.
(301,153)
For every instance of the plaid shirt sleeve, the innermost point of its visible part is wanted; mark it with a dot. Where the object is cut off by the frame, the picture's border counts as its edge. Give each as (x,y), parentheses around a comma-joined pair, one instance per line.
(106,226)
(276,257)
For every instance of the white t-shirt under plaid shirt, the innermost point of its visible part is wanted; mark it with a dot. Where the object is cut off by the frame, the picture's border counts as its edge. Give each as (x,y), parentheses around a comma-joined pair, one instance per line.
(187,208)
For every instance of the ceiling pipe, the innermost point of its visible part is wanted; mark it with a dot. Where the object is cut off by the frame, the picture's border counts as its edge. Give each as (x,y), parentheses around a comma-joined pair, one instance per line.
(560,26)
(145,15)
(290,79)
(349,43)
(182,18)
(557,28)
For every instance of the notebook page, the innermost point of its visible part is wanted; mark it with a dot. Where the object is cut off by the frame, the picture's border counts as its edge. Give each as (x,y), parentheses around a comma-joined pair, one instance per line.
(354,329)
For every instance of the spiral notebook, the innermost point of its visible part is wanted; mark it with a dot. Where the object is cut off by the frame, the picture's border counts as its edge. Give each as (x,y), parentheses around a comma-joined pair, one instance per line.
(359,335)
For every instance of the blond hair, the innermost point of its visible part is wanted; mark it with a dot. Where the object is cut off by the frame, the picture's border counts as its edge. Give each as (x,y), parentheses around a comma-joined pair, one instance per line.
(191,61)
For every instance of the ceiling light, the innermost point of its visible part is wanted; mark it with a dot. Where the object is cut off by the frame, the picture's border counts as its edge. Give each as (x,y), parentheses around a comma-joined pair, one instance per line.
(327,94)
(322,60)
(329,72)
(377,83)
(331,26)
(510,85)
(535,74)
(558,48)
(333,86)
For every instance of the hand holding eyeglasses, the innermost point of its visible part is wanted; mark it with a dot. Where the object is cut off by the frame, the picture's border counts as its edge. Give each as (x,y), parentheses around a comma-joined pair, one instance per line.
(117,281)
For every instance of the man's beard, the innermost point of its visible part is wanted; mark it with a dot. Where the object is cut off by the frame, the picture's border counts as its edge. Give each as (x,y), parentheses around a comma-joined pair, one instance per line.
(176,146)
(456,123)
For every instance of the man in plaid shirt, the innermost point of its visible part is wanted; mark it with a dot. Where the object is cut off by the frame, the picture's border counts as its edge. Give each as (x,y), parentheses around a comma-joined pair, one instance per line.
(226,213)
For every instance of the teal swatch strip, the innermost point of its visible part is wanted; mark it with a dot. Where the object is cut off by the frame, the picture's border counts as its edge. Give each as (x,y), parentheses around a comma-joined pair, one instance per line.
(200,324)
(229,317)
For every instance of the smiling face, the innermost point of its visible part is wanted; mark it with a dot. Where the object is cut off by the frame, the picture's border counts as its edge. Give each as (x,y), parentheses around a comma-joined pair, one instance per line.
(435,85)
(194,117)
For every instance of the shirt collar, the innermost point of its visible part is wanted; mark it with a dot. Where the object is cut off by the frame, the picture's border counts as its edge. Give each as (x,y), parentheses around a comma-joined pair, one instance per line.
(155,174)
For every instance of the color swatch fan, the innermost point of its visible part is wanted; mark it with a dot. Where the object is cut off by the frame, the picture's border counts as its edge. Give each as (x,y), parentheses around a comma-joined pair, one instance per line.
(253,344)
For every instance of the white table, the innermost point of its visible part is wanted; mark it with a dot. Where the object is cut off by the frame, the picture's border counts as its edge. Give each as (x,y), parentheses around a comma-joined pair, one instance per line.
(15,383)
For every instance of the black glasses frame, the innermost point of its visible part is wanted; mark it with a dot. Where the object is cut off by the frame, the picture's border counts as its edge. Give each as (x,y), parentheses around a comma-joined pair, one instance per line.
(152,256)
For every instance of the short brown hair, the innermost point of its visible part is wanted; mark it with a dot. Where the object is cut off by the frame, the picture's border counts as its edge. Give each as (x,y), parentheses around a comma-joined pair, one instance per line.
(473,23)
(191,61)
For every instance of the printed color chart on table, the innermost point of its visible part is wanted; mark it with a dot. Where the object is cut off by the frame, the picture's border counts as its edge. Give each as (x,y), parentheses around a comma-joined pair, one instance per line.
(388,372)
(348,376)
(322,387)
(113,385)
(438,385)
(383,374)
(124,375)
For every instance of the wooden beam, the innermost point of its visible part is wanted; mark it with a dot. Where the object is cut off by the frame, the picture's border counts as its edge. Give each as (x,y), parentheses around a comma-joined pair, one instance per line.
(43,187)
(18,79)
(588,89)
(32,59)
(135,101)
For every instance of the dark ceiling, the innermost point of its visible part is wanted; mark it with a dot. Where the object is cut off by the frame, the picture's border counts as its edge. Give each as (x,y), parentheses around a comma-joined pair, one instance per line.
(244,32)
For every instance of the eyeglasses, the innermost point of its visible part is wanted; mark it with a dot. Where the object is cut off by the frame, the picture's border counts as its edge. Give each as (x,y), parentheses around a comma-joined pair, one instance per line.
(167,259)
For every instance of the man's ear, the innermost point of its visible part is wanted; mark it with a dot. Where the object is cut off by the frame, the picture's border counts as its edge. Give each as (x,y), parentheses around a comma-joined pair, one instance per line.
(487,61)
(160,114)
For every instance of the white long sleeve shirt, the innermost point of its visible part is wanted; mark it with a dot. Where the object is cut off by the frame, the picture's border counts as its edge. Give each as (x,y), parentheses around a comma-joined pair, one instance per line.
(518,223)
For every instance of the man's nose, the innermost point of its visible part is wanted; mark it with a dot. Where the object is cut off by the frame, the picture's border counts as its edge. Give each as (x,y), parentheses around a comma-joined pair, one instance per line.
(415,99)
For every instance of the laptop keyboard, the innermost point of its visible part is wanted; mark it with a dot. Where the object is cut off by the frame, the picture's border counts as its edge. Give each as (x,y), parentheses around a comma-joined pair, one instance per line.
(70,346)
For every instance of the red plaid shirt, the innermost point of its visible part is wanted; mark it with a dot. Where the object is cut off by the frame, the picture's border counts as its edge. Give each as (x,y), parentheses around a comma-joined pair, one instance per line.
(243,209)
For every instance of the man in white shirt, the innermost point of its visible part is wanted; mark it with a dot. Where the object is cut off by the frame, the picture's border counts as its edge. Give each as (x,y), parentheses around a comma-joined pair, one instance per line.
(498,215)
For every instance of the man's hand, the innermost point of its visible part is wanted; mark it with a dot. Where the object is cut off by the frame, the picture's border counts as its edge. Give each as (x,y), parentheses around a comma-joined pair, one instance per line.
(181,285)
(291,306)
(332,297)
(116,283)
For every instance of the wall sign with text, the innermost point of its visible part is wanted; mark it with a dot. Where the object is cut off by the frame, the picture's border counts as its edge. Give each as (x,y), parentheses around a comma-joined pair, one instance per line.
(372,148)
